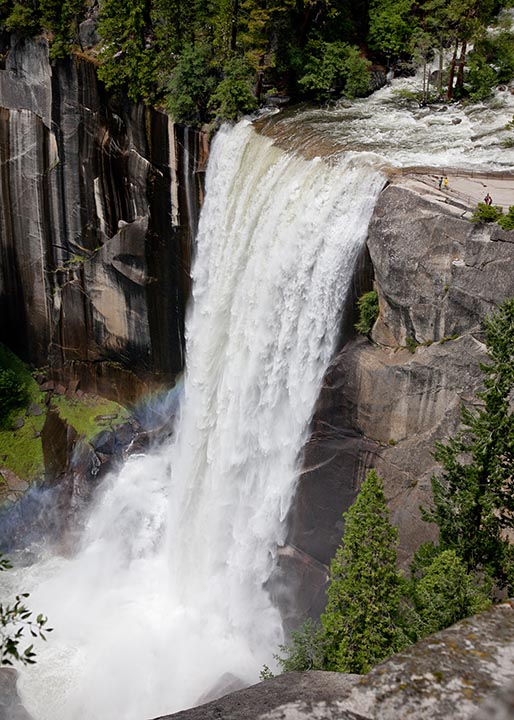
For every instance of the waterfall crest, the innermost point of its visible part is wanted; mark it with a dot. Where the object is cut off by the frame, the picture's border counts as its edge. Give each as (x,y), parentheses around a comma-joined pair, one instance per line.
(166,595)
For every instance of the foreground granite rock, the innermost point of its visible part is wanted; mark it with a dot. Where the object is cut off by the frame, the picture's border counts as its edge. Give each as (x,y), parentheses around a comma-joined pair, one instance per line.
(448,675)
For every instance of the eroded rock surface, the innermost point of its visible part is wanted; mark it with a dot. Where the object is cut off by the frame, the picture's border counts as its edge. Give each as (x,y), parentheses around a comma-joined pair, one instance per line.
(438,275)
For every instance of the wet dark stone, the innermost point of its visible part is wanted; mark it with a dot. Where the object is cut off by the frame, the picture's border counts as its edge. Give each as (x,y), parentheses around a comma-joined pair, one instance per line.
(35,409)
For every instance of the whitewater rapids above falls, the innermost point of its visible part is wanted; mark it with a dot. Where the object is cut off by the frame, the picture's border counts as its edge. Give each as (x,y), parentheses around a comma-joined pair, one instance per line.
(396,133)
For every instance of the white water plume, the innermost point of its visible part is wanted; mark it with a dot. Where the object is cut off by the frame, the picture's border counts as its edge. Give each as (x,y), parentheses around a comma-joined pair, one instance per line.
(166,595)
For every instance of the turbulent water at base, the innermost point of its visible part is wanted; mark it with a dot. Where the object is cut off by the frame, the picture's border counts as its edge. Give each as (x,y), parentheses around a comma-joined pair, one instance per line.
(166,595)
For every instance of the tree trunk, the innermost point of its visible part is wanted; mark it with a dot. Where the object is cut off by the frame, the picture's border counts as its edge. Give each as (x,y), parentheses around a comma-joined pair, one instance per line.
(440,79)
(449,92)
(462,62)
(233,30)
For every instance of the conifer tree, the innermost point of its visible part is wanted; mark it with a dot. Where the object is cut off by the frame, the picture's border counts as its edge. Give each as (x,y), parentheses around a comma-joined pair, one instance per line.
(360,625)
(474,496)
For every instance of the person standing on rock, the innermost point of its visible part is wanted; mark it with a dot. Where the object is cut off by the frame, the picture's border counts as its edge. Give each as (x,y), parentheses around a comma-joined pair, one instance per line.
(488,199)
(445,183)
(440,181)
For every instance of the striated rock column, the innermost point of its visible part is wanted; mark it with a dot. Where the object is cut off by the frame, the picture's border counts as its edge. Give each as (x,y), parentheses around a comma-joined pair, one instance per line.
(99,202)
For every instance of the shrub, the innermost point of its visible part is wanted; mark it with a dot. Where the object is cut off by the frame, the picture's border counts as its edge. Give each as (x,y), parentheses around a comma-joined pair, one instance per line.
(22,19)
(507,221)
(13,393)
(486,213)
(411,344)
(234,97)
(361,623)
(334,67)
(444,592)
(192,82)
(368,312)
(15,620)
(305,651)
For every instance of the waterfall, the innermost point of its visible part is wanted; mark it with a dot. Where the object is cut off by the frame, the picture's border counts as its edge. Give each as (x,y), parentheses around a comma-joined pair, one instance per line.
(166,596)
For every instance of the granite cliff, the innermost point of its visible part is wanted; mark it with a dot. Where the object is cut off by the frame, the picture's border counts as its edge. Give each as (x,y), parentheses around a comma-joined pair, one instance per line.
(98,198)
(383,404)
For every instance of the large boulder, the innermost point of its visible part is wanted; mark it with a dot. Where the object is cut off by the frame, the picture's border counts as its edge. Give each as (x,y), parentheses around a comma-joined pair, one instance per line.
(437,274)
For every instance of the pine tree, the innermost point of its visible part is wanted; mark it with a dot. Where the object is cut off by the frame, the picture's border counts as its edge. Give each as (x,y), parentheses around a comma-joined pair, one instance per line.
(126,53)
(360,624)
(474,496)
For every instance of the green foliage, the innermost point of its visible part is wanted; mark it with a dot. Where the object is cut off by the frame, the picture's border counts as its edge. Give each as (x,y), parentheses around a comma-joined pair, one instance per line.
(21,450)
(391,25)
(233,96)
(486,213)
(16,385)
(127,57)
(266,673)
(481,78)
(192,83)
(15,620)
(309,48)
(306,651)
(411,344)
(473,497)
(335,67)
(368,312)
(13,393)
(491,62)
(23,18)
(442,592)
(62,19)
(361,620)
(90,414)
(507,221)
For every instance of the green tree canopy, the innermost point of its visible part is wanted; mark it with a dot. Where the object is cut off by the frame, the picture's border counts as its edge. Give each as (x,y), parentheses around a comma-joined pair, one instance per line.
(361,620)
(474,495)
(442,592)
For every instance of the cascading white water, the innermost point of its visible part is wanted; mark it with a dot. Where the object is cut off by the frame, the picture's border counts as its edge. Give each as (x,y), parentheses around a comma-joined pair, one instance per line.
(166,595)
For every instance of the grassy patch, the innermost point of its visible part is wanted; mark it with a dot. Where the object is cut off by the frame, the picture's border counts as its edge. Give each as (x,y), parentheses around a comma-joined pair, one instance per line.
(90,414)
(21,450)
(448,338)
(411,344)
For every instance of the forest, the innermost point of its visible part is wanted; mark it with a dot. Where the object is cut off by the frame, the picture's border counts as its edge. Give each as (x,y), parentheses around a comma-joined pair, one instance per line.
(217,59)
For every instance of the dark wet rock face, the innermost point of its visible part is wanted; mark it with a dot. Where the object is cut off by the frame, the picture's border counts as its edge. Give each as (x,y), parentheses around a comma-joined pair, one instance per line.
(95,230)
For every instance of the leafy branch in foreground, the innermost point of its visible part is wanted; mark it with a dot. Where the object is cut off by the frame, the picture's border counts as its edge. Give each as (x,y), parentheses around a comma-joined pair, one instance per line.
(15,620)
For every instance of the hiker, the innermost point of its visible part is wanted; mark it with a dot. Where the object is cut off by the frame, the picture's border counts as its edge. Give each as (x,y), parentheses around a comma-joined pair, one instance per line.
(488,199)
(440,182)
(445,183)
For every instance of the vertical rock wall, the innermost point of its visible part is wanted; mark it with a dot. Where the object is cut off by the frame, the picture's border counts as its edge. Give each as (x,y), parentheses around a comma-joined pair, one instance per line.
(98,204)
